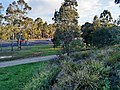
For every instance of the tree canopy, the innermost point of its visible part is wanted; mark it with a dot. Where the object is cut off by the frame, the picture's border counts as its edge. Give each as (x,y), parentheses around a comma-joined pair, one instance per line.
(66,20)
(117,1)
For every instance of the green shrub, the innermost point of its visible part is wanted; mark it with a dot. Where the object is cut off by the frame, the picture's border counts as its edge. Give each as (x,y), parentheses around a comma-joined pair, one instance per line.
(81,55)
(88,75)
(97,70)
(43,80)
(100,56)
(76,45)
(104,37)
(115,58)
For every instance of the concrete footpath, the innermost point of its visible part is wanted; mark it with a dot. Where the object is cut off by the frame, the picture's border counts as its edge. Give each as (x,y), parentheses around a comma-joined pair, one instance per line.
(26,61)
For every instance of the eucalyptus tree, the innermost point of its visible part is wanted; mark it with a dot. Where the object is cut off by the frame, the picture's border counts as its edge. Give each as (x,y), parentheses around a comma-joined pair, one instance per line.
(50,30)
(96,22)
(117,1)
(87,30)
(106,18)
(44,30)
(66,20)
(117,21)
(27,30)
(15,13)
(39,27)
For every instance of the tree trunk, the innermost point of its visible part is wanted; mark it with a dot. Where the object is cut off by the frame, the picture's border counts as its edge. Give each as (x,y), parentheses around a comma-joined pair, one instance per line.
(27,43)
(1,45)
(12,45)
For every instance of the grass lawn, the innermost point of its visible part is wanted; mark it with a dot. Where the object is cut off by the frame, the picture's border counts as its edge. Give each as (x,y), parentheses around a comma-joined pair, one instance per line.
(31,51)
(21,77)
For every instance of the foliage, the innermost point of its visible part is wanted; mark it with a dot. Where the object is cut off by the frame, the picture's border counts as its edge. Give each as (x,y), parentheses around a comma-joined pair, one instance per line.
(101,32)
(87,75)
(117,1)
(76,45)
(3,34)
(43,80)
(87,30)
(16,18)
(98,71)
(117,22)
(104,37)
(81,55)
(16,11)
(96,22)
(113,58)
(106,17)
(66,25)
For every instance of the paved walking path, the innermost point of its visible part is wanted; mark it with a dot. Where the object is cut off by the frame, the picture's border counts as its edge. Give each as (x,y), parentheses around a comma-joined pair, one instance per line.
(25,61)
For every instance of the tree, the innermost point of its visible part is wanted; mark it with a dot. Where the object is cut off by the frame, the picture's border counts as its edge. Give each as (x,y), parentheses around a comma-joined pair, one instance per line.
(106,18)
(27,29)
(98,34)
(104,37)
(51,30)
(44,30)
(117,1)
(117,22)
(87,30)
(15,14)
(66,20)
(96,22)
(39,27)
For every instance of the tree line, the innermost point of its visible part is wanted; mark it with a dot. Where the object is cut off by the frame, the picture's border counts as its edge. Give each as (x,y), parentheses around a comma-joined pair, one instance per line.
(65,30)
(15,21)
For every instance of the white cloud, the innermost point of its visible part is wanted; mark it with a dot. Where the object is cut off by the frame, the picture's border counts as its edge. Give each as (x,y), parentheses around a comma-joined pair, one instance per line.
(44,8)
(87,8)
(27,1)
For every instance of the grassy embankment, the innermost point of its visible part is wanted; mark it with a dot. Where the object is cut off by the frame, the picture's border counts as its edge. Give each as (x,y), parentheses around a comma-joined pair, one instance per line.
(29,76)
(31,51)
(99,68)
(94,69)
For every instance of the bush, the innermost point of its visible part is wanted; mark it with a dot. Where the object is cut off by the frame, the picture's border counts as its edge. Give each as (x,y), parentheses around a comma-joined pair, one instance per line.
(43,80)
(95,70)
(100,37)
(88,75)
(104,37)
(81,55)
(115,58)
(76,45)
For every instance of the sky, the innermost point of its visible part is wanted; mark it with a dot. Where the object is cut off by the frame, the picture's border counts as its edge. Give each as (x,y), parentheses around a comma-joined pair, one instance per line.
(87,9)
